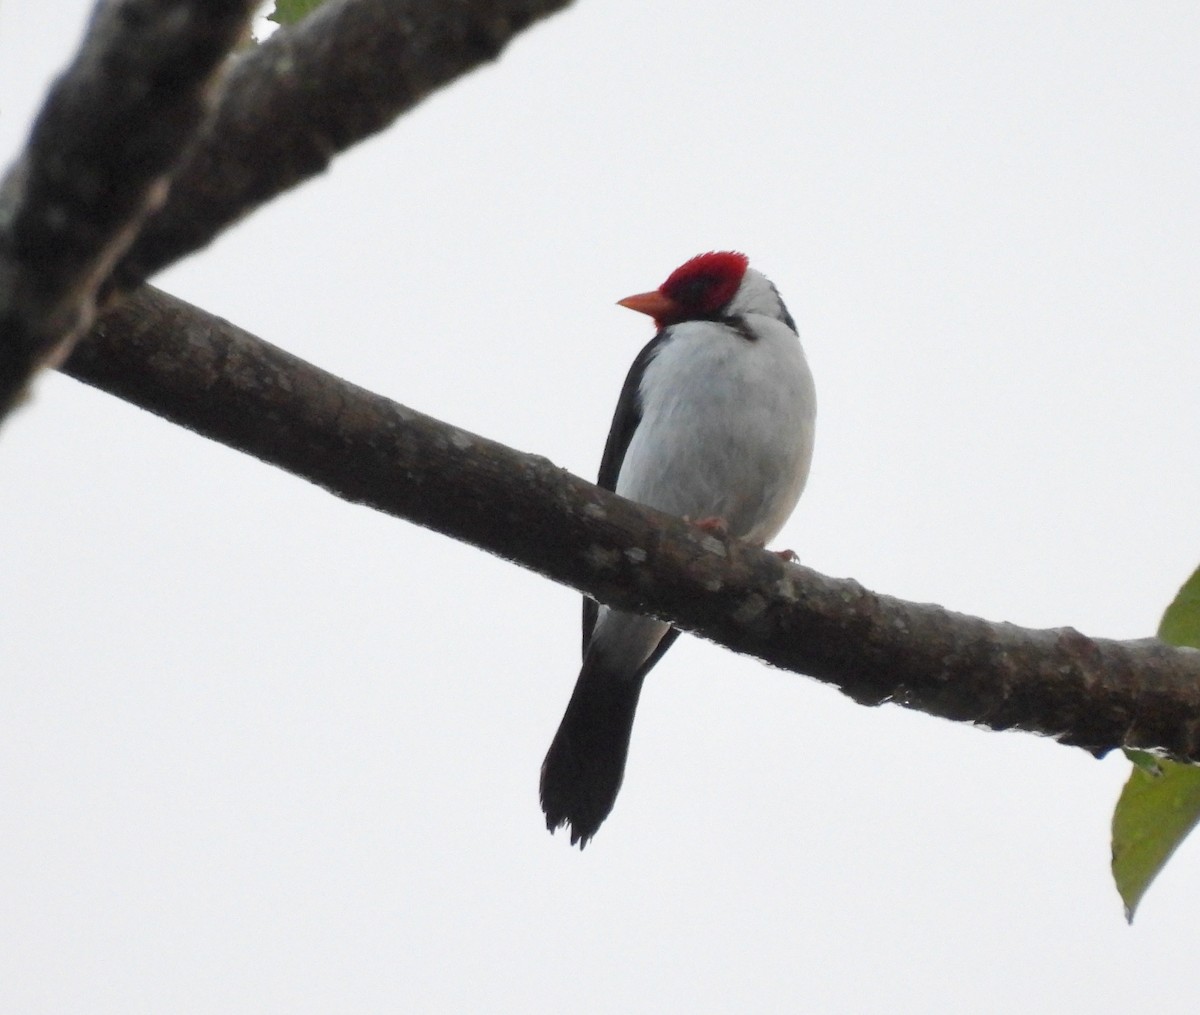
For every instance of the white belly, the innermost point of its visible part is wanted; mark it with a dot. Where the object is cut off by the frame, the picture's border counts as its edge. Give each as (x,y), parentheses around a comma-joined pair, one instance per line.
(727,428)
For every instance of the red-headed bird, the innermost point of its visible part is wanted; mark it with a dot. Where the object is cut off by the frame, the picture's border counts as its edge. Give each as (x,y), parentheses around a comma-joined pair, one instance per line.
(715,424)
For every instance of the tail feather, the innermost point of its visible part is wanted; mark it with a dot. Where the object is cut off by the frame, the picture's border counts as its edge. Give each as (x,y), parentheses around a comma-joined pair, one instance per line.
(584,767)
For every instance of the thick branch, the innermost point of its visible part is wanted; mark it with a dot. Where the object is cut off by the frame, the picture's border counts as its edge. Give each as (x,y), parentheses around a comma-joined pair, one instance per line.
(291,104)
(97,162)
(210,376)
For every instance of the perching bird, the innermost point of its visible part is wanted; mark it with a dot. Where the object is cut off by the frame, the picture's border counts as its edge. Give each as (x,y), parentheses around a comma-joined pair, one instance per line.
(715,423)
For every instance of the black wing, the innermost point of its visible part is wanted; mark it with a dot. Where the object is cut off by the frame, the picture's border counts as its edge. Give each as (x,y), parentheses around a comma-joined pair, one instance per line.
(627,415)
(625,421)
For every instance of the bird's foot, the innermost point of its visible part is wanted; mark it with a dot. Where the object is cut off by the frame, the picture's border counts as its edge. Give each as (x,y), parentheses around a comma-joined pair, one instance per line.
(787,556)
(713,524)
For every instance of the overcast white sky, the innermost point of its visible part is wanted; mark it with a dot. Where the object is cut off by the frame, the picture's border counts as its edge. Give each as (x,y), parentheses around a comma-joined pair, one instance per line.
(264,751)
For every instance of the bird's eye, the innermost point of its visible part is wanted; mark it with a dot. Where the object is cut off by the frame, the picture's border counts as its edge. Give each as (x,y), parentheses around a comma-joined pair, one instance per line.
(695,292)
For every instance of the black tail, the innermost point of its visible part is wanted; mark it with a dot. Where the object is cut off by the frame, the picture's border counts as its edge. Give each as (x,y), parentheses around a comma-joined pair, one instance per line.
(585,764)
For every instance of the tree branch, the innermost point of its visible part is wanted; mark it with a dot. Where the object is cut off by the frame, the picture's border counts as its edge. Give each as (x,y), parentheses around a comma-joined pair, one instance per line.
(97,162)
(309,92)
(206,374)
(78,210)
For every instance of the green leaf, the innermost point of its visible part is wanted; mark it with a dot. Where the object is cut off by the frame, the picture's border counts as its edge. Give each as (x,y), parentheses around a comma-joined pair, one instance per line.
(288,12)
(1149,763)
(1154,815)
(1160,803)
(1181,623)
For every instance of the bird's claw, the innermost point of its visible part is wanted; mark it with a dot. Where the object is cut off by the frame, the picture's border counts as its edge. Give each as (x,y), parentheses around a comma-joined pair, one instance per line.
(713,524)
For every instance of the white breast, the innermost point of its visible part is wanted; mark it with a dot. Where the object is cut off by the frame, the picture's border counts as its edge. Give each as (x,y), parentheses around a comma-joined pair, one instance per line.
(727,427)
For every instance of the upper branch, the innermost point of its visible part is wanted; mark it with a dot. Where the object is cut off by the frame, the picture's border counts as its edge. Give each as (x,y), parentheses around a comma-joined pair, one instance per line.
(206,374)
(309,92)
(97,161)
(84,205)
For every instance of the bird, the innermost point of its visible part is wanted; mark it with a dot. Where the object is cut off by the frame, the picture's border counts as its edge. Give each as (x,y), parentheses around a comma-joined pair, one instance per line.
(714,423)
